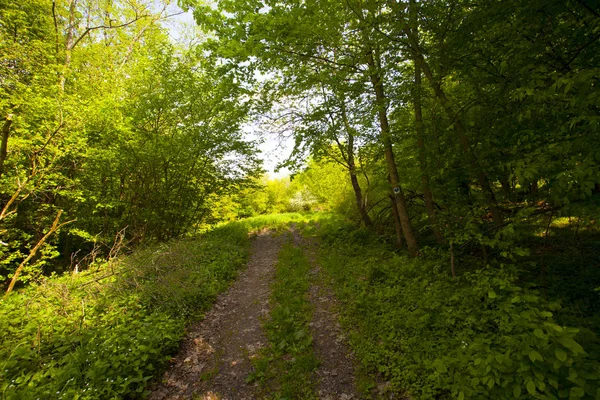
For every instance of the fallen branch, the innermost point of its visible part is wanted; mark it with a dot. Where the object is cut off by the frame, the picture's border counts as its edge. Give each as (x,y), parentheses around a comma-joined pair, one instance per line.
(96,280)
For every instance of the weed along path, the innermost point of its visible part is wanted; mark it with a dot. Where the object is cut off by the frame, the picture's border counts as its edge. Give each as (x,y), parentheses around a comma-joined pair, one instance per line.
(215,357)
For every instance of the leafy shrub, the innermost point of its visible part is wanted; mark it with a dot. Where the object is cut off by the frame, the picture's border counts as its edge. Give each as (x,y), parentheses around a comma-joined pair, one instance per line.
(478,336)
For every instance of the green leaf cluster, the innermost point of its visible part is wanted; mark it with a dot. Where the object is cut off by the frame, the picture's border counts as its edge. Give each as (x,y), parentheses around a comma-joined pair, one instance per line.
(481,335)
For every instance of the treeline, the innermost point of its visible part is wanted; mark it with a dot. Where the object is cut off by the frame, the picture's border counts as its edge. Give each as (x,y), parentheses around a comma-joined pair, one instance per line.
(484,111)
(104,118)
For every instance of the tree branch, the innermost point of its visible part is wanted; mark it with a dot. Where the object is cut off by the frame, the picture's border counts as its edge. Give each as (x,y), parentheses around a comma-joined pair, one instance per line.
(110,26)
(55,226)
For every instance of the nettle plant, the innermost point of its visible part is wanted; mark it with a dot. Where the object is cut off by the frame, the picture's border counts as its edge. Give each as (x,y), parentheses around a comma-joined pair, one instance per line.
(511,347)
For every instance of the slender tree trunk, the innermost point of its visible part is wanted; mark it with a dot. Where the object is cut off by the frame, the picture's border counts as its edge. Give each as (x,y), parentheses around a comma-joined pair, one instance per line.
(397,223)
(4,141)
(55,226)
(452,267)
(386,139)
(427,195)
(360,203)
(465,144)
(533,189)
(506,190)
(68,43)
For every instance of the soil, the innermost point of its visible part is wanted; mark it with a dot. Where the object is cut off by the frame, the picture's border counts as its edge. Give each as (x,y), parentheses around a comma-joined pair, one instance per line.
(215,356)
(335,376)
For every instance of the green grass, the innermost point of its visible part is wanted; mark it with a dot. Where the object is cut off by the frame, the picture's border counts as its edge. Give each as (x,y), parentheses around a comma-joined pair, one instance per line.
(279,222)
(105,333)
(285,367)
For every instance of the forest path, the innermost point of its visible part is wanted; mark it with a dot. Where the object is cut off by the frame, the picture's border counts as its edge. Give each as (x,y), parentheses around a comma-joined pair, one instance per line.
(215,357)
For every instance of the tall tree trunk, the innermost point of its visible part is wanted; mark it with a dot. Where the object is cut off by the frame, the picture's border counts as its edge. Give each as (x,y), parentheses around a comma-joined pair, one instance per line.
(427,195)
(360,203)
(4,141)
(68,44)
(386,139)
(397,223)
(465,144)
(506,189)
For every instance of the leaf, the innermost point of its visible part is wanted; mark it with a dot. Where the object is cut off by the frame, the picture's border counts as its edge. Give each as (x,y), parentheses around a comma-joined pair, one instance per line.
(461,395)
(576,392)
(572,345)
(534,355)
(517,391)
(492,294)
(541,385)
(561,354)
(539,333)
(531,387)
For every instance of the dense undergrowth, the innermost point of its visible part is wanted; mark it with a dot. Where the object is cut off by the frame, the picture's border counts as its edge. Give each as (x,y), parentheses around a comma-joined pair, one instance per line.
(104,333)
(483,334)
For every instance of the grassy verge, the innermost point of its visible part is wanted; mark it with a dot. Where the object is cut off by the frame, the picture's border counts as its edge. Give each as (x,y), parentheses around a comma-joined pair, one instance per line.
(104,333)
(285,367)
(479,335)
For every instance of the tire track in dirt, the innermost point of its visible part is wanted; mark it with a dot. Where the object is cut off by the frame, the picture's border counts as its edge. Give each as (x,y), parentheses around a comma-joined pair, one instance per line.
(335,376)
(215,357)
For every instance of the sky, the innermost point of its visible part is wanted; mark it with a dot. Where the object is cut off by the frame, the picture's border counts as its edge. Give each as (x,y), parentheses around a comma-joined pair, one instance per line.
(182,29)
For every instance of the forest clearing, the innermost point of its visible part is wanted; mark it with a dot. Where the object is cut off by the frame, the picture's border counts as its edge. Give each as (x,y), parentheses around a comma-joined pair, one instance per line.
(299,199)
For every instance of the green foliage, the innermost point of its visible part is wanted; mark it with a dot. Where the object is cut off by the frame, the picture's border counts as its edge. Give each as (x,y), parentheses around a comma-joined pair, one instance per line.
(480,335)
(277,222)
(329,184)
(285,368)
(105,119)
(266,196)
(113,124)
(105,333)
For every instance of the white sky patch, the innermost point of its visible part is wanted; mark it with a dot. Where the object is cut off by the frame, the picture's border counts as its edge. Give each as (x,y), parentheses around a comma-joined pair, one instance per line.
(274,149)
(180,25)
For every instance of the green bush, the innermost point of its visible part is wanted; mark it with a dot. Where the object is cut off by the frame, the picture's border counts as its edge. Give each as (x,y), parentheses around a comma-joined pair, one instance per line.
(477,336)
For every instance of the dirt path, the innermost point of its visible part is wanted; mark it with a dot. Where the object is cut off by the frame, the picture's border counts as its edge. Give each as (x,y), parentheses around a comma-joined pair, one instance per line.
(335,376)
(215,356)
